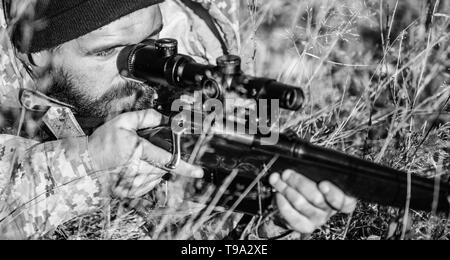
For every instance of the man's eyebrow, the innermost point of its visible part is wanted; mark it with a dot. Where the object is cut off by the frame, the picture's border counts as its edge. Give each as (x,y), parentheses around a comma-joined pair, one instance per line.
(107,47)
(103,48)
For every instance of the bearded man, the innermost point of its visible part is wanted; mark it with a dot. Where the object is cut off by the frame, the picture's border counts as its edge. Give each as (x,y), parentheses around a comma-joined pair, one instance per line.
(71,58)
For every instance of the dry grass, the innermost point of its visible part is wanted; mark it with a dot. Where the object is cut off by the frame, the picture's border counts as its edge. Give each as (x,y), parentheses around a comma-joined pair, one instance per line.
(376,77)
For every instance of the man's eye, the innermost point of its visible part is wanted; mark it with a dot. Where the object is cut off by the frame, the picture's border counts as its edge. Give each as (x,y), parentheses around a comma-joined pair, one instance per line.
(105,53)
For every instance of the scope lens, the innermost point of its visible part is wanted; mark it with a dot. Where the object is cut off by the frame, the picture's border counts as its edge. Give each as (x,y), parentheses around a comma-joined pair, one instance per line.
(291,97)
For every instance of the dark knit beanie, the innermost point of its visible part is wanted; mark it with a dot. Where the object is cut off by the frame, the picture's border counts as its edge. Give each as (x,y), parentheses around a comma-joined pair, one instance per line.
(58,21)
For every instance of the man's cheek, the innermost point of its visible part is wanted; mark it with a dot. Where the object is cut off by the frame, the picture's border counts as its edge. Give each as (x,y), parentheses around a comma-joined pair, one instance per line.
(106,74)
(96,80)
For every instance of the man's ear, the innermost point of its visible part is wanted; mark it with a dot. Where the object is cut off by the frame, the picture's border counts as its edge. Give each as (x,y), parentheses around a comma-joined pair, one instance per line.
(40,59)
(36,63)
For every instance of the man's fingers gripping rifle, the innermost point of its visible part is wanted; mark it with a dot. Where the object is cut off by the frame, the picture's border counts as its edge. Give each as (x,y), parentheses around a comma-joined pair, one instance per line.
(231,146)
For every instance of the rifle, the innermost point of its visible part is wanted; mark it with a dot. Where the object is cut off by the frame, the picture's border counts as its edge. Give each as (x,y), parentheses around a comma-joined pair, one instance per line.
(223,151)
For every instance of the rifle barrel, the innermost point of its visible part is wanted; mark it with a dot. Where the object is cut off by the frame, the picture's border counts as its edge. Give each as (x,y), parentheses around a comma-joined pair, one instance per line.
(360,178)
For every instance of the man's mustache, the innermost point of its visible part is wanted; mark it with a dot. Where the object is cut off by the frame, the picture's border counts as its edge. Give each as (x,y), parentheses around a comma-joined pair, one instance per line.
(124,90)
(67,90)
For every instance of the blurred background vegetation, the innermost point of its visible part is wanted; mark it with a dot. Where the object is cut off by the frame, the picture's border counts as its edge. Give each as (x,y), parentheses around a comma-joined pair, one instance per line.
(376,76)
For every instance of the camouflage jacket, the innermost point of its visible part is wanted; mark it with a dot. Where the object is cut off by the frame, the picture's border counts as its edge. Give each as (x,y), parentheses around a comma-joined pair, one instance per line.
(43,185)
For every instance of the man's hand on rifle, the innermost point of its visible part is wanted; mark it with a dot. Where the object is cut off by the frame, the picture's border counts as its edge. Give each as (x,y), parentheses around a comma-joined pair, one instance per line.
(137,165)
(305,205)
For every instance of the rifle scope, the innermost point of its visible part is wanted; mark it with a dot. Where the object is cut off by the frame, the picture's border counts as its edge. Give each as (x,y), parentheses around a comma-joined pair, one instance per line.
(159,62)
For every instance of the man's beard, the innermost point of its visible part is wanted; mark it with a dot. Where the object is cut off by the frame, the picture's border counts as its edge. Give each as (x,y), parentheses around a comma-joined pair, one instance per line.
(65,90)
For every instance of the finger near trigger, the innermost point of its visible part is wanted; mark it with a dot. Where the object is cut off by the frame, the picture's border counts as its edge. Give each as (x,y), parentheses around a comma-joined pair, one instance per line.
(140,120)
(159,157)
(147,173)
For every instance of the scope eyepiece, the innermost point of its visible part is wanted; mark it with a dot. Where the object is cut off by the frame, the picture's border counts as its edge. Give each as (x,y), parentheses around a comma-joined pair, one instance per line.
(155,61)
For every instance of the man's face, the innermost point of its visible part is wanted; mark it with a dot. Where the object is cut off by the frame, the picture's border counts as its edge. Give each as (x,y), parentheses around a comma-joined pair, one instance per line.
(84,70)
